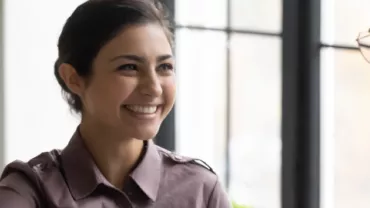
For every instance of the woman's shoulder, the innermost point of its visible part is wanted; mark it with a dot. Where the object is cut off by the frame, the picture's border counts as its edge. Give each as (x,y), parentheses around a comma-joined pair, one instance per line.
(191,179)
(42,163)
(194,164)
(185,167)
(25,179)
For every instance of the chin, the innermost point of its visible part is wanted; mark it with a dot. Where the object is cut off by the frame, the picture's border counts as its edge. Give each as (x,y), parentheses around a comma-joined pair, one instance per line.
(144,134)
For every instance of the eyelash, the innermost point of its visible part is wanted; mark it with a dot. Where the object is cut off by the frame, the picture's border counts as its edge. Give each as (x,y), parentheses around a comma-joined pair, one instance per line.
(124,67)
(168,67)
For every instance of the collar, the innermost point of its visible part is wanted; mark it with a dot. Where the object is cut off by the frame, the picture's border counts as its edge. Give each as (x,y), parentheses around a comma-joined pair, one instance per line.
(83,176)
(147,174)
(81,173)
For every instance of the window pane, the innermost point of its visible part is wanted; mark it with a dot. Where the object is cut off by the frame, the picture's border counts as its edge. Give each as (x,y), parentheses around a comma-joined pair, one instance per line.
(346,136)
(256,120)
(257,15)
(342,20)
(208,13)
(36,116)
(201,96)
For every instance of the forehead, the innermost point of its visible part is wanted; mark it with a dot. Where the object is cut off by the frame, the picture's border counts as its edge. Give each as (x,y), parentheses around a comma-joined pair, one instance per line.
(144,40)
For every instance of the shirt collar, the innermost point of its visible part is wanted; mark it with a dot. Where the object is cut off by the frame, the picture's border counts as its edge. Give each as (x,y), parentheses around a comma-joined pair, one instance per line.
(83,176)
(81,172)
(147,173)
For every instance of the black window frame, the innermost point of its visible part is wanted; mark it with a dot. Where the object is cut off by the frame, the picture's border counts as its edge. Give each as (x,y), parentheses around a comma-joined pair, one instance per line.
(301,104)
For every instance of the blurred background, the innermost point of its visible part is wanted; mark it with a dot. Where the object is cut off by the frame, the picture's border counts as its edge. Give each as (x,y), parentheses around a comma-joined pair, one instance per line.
(273,94)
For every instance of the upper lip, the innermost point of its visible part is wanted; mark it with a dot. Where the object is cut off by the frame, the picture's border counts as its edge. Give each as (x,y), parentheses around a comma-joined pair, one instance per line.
(144,104)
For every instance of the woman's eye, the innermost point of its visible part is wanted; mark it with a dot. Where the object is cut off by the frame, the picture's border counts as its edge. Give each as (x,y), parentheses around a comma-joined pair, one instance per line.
(127,67)
(166,67)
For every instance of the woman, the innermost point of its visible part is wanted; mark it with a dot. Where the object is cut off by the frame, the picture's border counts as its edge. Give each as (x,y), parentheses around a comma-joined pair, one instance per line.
(116,70)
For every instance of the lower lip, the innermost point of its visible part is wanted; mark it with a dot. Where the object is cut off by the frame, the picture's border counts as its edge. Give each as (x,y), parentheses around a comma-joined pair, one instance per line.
(143,116)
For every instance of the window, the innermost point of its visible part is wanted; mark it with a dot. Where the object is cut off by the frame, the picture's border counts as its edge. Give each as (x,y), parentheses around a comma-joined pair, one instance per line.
(213,13)
(201,95)
(351,131)
(32,96)
(255,119)
(345,101)
(228,110)
(256,15)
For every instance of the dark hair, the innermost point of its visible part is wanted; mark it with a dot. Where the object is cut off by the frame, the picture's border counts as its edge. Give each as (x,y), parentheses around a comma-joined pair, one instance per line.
(92,25)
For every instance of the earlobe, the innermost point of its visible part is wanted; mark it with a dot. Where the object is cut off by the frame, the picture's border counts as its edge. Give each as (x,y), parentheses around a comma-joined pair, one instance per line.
(71,78)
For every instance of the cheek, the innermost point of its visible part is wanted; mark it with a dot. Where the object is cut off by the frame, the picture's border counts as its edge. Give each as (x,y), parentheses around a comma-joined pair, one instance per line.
(118,90)
(108,93)
(95,98)
(169,89)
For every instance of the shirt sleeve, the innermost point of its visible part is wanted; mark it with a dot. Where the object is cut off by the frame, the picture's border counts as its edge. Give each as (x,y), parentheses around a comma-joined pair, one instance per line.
(11,198)
(219,198)
(15,191)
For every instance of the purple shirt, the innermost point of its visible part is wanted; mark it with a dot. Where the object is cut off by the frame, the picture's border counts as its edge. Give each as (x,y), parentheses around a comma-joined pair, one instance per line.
(70,179)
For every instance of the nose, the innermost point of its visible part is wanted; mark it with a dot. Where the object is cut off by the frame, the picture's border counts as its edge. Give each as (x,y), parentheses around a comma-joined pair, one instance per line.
(151,85)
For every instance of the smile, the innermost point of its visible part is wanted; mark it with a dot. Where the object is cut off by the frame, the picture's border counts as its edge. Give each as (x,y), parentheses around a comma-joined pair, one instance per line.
(144,109)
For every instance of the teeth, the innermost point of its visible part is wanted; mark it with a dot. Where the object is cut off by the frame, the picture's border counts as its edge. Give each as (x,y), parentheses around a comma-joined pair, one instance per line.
(142,109)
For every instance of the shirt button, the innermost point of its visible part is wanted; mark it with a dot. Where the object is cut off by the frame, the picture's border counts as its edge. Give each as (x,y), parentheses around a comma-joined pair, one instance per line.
(40,167)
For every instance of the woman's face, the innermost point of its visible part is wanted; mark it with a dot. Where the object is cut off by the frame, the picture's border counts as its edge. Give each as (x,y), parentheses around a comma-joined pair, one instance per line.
(132,87)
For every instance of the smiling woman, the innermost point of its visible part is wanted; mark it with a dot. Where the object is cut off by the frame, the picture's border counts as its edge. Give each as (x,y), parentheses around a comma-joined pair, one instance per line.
(116,70)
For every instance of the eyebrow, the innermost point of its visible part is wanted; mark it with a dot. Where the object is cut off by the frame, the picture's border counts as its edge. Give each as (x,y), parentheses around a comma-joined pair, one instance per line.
(140,58)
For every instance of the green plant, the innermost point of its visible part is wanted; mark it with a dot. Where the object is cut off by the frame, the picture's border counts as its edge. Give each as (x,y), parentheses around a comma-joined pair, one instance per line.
(235,205)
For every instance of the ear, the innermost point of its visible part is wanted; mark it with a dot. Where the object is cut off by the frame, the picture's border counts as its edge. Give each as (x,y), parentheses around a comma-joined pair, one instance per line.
(73,81)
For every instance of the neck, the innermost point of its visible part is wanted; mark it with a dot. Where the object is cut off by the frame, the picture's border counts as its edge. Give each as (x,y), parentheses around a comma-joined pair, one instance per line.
(114,154)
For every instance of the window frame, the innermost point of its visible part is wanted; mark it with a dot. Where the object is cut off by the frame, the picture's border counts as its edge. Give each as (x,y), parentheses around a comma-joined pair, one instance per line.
(301,104)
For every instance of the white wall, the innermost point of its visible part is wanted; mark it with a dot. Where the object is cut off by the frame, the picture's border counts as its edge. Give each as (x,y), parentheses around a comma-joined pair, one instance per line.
(36,117)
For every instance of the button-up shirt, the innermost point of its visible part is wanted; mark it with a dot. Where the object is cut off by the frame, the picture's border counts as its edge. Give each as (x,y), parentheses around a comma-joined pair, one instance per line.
(71,179)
